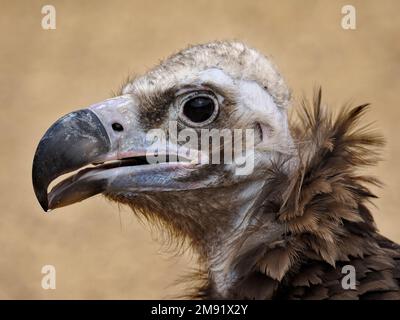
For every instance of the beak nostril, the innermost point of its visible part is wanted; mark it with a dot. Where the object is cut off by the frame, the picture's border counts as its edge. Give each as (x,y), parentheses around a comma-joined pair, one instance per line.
(117,126)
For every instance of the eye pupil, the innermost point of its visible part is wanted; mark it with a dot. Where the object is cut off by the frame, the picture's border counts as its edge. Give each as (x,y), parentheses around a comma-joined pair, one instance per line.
(199,109)
(117,126)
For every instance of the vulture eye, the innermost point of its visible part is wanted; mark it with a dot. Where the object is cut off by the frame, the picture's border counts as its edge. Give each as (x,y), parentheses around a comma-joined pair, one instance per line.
(199,109)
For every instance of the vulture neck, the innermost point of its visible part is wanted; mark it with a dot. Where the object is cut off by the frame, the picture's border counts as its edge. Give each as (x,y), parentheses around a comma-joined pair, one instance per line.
(313,215)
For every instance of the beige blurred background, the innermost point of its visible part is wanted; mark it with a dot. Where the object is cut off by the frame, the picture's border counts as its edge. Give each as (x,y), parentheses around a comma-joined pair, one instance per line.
(100,251)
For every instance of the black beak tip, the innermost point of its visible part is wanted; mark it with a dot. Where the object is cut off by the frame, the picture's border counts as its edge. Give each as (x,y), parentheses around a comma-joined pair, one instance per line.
(44,204)
(73,141)
(41,193)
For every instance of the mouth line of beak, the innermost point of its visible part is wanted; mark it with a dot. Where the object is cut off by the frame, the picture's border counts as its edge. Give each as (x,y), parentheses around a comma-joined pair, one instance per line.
(133,161)
(137,160)
(98,176)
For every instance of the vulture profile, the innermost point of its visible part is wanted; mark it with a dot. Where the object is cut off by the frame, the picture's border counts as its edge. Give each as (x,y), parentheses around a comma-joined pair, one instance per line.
(287,229)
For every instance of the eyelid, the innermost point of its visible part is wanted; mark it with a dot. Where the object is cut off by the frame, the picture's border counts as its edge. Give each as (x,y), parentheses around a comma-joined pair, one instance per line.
(205,90)
(188,90)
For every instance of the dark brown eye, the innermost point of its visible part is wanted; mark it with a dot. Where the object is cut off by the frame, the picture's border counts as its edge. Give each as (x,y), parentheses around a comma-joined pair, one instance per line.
(199,109)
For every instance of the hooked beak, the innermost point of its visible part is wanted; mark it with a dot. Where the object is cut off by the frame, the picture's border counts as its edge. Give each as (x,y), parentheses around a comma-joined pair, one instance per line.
(104,132)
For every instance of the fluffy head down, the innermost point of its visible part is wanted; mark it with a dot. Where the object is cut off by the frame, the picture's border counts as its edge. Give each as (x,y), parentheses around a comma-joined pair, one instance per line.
(236,59)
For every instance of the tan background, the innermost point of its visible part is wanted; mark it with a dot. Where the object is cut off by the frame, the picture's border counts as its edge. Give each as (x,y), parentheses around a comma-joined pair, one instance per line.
(99,251)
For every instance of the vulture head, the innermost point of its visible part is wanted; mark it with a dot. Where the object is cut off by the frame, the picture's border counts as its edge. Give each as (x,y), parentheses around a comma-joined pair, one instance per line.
(202,145)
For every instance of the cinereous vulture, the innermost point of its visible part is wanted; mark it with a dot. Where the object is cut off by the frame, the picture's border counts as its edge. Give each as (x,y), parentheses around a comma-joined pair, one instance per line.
(296,226)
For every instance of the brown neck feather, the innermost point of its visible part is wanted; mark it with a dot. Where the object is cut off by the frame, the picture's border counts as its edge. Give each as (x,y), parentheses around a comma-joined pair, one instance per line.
(313,217)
